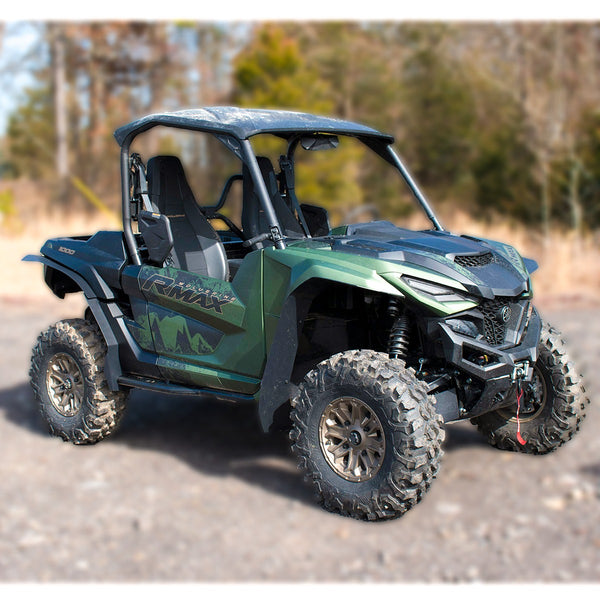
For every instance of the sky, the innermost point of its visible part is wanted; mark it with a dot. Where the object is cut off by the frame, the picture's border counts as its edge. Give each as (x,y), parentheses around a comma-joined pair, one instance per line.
(19,40)
(20,36)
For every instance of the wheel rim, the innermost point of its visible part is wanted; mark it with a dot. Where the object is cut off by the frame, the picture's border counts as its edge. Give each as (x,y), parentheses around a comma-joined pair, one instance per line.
(535,395)
(65,384)
(351,438)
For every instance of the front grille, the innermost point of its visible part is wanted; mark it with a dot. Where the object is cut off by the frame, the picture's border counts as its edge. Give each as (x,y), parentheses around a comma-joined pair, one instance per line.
(474,260)
(494,326)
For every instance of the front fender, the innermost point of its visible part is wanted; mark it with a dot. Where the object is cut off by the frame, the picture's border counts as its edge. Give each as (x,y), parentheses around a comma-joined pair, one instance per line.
(291,278)
(305,264)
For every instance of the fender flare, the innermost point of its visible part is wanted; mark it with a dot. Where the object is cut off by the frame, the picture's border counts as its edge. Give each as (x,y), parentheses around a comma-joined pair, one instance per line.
(84,275)
(48,263)
(276,385)
(112,365)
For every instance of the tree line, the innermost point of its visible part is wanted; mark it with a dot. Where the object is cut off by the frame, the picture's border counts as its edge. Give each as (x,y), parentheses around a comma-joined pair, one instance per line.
(493,118)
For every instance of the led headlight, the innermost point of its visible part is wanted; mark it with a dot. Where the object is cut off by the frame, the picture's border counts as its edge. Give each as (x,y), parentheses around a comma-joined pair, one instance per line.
(528,314)
(463,326)
(436,291)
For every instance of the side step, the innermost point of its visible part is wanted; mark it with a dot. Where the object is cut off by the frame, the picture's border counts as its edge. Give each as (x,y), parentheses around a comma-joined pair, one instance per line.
(153,385)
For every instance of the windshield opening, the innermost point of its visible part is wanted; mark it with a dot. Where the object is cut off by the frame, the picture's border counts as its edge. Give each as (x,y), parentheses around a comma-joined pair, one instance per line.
(355,184)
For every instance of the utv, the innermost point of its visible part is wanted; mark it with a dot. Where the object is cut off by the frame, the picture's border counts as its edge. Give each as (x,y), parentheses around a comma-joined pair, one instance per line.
(368,337)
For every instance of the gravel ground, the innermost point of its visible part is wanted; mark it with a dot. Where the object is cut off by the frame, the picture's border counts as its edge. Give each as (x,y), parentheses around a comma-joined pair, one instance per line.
(191,491)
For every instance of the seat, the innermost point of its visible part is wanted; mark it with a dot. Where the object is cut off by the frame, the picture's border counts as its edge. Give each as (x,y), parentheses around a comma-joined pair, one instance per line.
(198,247)
(254,221)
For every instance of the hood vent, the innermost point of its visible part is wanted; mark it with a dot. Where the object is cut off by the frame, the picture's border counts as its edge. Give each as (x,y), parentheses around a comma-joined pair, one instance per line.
(474,260)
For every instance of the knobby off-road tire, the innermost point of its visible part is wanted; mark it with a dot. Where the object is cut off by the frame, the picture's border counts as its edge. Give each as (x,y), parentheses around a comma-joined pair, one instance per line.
(401,434)
(67,376)
(558,404)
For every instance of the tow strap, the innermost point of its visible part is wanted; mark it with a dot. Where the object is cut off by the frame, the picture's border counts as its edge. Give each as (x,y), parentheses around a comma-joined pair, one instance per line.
(520,438)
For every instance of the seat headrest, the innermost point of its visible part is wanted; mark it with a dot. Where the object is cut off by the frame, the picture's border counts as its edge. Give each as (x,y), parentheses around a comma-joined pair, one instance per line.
(167,184)
(268,174)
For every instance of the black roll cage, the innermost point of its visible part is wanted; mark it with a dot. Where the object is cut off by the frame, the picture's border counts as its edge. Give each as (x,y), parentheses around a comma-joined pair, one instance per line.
(242,148)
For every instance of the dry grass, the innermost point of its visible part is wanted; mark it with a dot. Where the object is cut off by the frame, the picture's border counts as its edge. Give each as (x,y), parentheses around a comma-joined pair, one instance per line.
(24,281)
(569,270)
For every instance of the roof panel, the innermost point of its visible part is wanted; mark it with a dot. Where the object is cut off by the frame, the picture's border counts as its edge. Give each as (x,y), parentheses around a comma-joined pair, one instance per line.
(246,122)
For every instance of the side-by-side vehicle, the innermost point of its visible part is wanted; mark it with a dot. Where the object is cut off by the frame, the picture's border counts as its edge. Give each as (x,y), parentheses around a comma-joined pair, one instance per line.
(368,336)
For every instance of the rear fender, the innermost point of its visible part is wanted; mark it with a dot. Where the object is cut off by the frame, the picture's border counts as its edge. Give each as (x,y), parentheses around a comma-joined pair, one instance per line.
(61,280)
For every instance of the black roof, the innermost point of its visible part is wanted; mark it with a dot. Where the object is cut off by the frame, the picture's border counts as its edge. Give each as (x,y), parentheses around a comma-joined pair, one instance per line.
(246,122)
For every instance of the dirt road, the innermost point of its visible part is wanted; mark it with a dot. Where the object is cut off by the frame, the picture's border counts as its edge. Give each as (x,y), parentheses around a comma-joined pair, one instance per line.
(192,491)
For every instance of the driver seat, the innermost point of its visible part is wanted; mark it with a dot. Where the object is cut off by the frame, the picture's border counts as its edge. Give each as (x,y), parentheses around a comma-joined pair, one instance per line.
(198,247)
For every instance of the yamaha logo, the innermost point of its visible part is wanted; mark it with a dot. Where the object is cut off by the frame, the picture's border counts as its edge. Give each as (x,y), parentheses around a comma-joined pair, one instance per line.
(504,314)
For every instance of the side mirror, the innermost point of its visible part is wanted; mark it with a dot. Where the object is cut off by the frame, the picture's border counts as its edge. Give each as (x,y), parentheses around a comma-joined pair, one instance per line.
(157,235)
(316,218)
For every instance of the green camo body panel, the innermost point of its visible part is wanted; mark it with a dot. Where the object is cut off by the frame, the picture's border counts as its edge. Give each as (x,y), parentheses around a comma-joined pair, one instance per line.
(213,333)
(207,332)
(314,259)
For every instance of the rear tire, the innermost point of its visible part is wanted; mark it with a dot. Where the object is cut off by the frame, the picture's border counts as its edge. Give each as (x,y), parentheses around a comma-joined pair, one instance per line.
(556,400)
(69,385)
(367,435)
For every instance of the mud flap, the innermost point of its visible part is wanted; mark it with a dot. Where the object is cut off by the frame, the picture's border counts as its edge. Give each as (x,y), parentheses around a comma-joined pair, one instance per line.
(276,388)
(446,405)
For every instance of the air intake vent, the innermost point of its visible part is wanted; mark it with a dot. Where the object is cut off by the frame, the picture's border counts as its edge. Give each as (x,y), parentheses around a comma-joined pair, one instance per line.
(474,260)
(496,314)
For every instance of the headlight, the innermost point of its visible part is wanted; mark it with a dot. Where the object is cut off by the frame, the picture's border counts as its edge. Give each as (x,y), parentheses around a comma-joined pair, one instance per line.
(528,315)
(463,326)
(439,293)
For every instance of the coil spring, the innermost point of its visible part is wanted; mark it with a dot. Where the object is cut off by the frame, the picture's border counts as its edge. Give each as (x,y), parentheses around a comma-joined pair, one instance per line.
(394,308)
(398,340)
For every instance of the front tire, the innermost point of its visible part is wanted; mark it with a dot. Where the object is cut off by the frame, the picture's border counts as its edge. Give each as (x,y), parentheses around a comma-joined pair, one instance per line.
(367,434)
(552,407)
(69,385)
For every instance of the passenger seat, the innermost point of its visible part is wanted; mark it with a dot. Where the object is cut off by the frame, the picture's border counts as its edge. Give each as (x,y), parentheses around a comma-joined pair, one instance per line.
(198,247)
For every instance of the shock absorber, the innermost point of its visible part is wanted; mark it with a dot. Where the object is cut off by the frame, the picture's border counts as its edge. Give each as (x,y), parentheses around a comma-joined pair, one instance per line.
(398,340)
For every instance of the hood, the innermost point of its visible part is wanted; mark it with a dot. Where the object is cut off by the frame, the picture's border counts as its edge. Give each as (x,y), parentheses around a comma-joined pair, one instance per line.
(486,268)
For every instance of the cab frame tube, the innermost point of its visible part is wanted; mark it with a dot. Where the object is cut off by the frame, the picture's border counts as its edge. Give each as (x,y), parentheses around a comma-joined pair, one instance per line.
(125,187)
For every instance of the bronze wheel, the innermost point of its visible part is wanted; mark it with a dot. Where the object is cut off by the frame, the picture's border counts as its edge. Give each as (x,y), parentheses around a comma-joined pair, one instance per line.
(366,433)
(351,438)
(69,385)
(65,384)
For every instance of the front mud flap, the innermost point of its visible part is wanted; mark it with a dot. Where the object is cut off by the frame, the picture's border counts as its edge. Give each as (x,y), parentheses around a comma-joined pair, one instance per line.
(446,405)
(276,388)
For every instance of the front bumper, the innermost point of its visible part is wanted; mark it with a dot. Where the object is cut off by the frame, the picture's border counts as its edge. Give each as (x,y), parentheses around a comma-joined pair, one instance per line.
(493,367)
(487,362)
